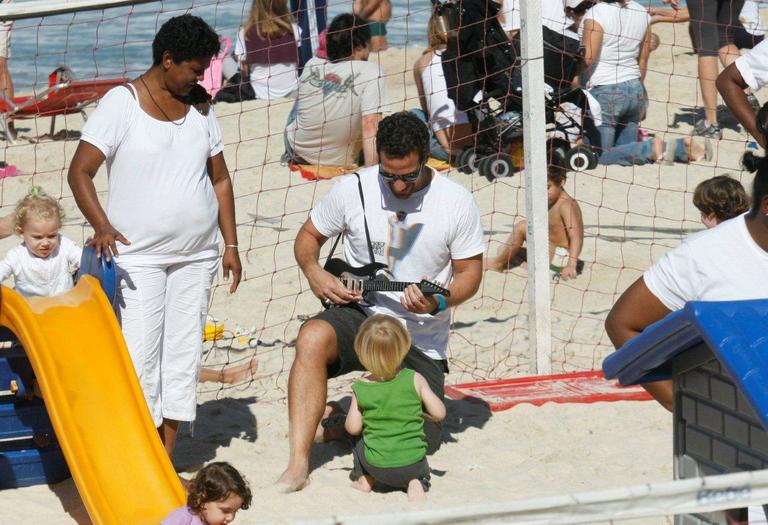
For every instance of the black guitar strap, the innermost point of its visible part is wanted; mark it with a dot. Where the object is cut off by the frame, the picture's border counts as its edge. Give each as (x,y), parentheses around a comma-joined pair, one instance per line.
(365,224)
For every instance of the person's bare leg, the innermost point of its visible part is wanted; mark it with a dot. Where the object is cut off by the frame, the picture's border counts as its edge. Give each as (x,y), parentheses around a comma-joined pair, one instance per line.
(378,43)
(324,434)
(416,491)
(728,55)
(363,484)
(6,86)
(307,391)
(506,256)
(707,78)
(231,374)
(661,392)
(168,431)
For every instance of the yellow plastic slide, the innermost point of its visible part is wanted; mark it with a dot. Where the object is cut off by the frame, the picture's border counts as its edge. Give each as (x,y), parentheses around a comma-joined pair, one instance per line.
(95,403)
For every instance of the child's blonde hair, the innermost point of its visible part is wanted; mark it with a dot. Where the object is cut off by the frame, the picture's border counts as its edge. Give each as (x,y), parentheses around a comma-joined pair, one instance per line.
(39,205)
(381,345)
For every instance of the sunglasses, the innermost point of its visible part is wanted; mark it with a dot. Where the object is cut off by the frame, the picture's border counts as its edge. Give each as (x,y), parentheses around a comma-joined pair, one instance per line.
(406,177)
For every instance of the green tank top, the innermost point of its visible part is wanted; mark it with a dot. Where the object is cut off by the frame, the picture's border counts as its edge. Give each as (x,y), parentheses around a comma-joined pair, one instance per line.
(393,421)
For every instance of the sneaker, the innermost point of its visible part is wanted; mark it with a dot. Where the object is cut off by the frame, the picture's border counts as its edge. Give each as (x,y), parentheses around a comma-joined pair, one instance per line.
(752,99)
(711,131)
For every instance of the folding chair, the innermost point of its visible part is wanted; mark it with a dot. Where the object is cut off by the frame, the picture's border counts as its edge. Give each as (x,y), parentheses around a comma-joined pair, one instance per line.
(63,96)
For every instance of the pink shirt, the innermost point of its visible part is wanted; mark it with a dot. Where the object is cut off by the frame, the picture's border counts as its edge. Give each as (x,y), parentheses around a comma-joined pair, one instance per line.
(182,516)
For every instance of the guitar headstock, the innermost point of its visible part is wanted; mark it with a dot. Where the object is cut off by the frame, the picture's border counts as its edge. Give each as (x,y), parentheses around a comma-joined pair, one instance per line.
(430,288)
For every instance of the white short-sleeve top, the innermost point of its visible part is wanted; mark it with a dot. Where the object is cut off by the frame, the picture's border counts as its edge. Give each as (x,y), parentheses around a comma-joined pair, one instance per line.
(160,195)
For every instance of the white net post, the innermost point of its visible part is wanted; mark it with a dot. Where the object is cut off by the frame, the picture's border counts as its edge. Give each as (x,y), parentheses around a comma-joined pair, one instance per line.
(534,144)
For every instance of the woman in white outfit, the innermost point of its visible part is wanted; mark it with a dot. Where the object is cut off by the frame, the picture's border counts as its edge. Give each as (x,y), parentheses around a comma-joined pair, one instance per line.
(169,193)
(450,129)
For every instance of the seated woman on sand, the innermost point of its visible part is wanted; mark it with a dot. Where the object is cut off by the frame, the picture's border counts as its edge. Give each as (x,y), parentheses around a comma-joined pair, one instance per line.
(450,129)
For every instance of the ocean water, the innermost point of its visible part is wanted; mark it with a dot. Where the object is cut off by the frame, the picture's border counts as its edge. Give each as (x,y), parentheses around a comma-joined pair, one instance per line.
(117,42)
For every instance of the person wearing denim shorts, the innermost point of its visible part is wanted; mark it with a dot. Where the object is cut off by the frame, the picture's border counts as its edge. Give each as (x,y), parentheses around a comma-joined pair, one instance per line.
(395,214)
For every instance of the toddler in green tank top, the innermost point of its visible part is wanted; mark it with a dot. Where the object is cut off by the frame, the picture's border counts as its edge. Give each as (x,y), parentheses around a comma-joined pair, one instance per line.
(388,409)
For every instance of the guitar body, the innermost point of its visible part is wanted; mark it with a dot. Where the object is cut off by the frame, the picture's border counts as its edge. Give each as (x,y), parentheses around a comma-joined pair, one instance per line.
(372,278)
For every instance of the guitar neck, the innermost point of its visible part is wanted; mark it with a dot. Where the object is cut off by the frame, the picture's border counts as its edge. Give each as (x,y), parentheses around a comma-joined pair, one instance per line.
(385,286)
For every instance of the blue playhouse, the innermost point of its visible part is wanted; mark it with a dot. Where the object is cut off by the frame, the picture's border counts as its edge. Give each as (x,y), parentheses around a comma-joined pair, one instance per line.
(716,354)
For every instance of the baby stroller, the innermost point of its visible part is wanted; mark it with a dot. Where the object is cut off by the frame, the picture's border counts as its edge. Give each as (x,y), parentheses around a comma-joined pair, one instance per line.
(483,75)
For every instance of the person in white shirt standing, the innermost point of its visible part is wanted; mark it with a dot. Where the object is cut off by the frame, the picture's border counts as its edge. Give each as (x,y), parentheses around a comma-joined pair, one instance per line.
(726,263)
(169,194)
(6,82)
(394,214)
(749,70)
(43,264)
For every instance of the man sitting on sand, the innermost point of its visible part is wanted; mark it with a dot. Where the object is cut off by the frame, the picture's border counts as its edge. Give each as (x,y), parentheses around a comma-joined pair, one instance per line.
(421,225)
(566,232)
(341,101)
(726,263)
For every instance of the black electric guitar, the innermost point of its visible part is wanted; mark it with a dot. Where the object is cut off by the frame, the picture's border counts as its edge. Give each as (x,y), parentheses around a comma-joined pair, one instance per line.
(371,278)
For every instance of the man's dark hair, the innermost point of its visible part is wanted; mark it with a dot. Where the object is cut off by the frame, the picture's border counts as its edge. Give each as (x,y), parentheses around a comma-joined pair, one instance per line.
(556,174)
(346,33)
(185,37)
(759,188)
(401,134)
(721,195)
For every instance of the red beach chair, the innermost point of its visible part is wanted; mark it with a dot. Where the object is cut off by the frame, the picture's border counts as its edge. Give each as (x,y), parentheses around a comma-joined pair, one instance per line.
(63,96)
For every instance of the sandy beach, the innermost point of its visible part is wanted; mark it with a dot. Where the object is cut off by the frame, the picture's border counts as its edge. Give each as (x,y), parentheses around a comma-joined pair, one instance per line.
(631,216)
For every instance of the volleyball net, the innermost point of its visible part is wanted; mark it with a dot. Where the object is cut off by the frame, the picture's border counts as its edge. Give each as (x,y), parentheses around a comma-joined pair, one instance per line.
(632,215)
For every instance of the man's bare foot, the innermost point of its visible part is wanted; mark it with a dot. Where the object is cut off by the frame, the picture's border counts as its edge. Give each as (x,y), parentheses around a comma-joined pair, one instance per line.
(292,481)
(331,425)
(363,484)
(416,491)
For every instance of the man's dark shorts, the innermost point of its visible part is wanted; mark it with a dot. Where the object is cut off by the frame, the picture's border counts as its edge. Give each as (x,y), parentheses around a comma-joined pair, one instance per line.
(346,321)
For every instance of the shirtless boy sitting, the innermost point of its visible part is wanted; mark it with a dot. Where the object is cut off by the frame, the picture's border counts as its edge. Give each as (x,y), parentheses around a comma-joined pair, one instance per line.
(566,230)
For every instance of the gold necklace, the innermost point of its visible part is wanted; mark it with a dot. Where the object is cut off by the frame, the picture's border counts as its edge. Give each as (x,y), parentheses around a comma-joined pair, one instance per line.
(161,109)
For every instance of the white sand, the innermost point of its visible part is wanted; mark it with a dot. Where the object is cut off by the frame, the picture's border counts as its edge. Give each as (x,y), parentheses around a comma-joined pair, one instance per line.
(632,215)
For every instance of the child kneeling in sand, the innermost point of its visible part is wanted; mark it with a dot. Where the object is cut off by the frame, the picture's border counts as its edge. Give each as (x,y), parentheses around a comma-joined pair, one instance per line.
(387,409)
(719,199)
(566,233)
(214,496)
(43,264)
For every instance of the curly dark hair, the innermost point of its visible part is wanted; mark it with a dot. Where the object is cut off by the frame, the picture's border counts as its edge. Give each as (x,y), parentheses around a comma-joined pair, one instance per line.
(214,482)
(185,37)
(721,195)
(400,134)
(346,33)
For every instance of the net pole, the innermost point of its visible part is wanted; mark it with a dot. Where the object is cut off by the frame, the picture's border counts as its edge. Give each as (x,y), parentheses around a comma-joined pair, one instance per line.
(534,144)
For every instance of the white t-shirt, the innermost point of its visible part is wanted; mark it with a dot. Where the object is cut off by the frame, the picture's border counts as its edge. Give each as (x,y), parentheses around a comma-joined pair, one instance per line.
(35,276)
(422,244)
(750,17)
(753,65)
(511,14)
(160,195)
(272,80)
(442,110)
(333,98)
(624,27)
(720,264)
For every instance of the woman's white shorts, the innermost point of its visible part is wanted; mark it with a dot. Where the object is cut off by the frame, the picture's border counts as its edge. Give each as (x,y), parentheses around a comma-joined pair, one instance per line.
(162,310)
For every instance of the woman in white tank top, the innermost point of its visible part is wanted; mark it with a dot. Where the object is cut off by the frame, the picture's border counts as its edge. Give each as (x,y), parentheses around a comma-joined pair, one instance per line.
(450,128)
(169,195)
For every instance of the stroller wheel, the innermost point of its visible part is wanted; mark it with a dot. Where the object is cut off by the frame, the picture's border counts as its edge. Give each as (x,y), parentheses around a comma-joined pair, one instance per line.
(497,166)
(558,149)
(581,158)
(466,160)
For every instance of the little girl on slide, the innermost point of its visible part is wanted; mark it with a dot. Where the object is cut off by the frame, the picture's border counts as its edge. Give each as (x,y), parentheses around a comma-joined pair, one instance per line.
(43,264)
(388,409)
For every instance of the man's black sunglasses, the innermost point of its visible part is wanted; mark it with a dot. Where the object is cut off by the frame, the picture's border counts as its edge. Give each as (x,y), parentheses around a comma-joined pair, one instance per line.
(407,177)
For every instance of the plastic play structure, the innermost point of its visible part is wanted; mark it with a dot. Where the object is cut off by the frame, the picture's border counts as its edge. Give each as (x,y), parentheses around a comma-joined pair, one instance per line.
(93,399)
